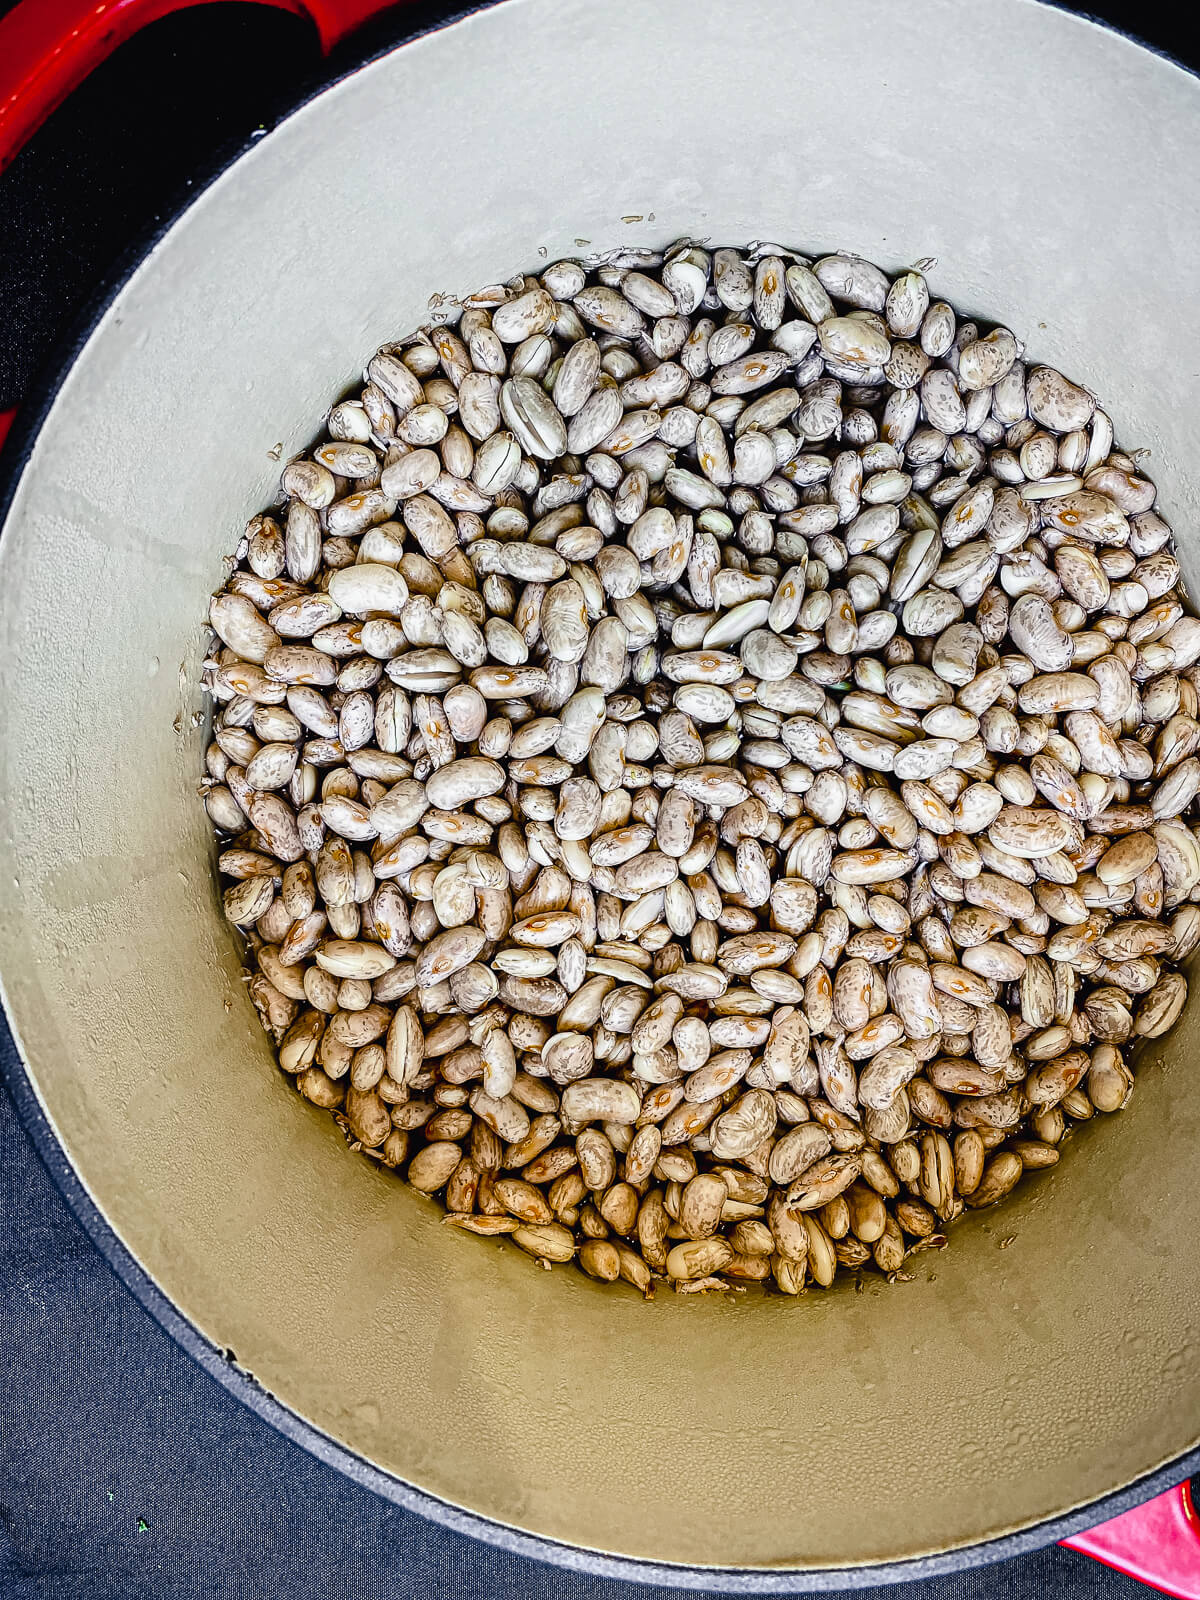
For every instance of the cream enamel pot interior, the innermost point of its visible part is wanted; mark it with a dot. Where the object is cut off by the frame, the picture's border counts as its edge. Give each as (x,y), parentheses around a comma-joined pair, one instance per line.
(983,1407)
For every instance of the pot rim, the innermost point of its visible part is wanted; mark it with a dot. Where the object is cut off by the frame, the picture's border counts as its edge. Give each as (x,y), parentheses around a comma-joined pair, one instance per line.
(378,38)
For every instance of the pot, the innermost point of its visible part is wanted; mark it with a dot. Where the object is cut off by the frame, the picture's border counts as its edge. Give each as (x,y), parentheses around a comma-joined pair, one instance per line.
(1043,1373)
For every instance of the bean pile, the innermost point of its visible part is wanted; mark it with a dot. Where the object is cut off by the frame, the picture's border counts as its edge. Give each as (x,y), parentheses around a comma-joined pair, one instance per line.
(705,765)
